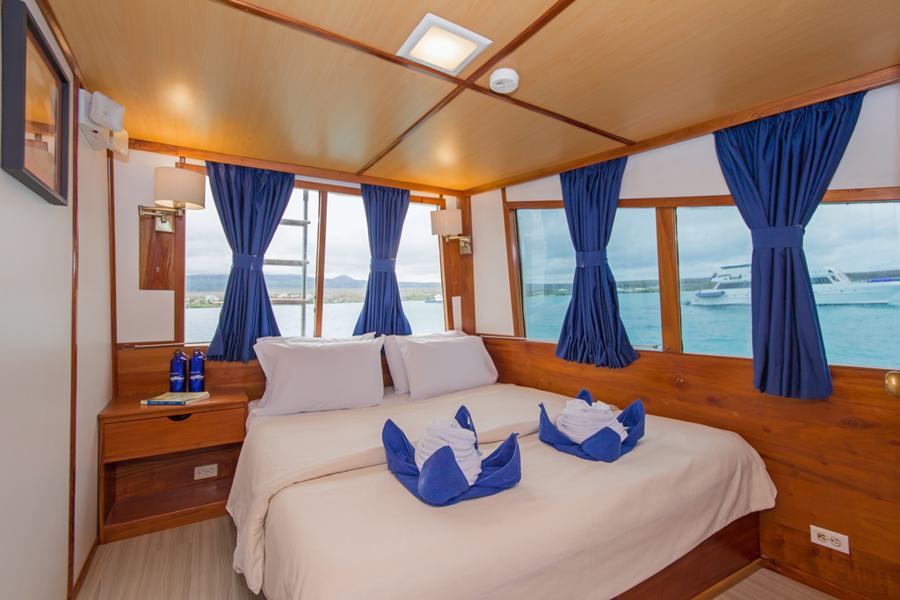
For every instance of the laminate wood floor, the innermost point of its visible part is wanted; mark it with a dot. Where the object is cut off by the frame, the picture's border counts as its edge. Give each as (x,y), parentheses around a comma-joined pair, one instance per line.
(194,563)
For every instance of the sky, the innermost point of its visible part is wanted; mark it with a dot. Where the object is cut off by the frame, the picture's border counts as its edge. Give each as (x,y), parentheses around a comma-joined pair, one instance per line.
(848,237)
(347,246)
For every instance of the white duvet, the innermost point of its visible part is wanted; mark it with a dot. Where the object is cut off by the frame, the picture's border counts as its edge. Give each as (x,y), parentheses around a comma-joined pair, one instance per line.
(319,516)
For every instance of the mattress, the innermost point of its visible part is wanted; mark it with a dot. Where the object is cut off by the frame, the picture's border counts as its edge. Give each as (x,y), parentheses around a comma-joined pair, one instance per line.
(334,523)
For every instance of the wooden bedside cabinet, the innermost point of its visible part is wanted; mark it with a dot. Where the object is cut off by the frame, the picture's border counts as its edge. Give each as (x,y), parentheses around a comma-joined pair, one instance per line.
(148,457)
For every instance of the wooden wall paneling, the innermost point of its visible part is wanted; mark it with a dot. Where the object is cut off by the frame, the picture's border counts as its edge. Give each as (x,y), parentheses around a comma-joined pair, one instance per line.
(669,282)
(513,267)
(320,261)
(834,462)
(179,276)
(156,256)
(466,281)
(868,81)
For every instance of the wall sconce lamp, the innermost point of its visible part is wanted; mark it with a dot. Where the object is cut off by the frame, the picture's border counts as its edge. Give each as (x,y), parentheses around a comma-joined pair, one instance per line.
(448,224)
(174,190)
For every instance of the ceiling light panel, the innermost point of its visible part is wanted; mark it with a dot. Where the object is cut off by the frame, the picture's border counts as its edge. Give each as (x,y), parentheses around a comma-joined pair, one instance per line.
(443,45)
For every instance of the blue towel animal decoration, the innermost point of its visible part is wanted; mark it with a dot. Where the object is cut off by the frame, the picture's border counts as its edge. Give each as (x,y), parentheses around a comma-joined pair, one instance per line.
(605,445)
(441,481)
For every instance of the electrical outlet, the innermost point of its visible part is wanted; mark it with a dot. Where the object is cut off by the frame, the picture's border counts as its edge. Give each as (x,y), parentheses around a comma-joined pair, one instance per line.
(829,539)
(206,471)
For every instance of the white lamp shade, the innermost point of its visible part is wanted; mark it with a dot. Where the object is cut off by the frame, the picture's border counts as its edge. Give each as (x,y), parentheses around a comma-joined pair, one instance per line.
(179,188)
(446,222)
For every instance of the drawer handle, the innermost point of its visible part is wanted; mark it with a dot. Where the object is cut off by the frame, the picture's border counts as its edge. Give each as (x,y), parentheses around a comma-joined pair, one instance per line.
(179,418)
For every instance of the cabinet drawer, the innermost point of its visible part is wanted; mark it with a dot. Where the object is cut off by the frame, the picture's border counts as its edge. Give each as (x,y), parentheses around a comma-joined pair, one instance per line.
(162,435)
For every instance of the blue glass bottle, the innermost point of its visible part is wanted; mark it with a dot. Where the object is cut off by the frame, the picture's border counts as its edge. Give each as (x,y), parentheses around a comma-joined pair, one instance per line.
(197,367)
(178,371)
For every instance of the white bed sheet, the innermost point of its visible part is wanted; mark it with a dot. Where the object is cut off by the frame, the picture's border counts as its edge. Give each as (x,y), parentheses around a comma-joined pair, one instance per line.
(570,529)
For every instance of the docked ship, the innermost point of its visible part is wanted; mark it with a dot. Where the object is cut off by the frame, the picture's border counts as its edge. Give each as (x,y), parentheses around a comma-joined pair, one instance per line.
(731,286)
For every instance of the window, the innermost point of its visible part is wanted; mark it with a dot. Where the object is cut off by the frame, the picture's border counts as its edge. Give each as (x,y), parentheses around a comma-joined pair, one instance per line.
(714,267)
(548,267)
(853,253)
(347,268)
(290,268)
(208,262)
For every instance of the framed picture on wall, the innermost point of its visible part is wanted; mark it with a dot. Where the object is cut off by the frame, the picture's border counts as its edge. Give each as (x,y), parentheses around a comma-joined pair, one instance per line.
(35,145)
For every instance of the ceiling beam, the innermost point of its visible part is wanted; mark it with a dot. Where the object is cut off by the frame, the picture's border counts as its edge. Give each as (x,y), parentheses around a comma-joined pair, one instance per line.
(868,81)
(462,84)
(302,170)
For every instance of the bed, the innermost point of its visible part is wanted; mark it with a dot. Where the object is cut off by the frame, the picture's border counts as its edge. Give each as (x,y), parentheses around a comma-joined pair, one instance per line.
(319,516)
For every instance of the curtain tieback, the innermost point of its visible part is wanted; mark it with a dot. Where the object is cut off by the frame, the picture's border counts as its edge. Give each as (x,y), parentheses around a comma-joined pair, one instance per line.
(790,236)
(251,262)
(382,265)
(590,258)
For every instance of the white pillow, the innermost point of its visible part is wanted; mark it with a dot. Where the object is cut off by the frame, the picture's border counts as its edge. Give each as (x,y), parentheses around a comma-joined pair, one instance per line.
(264,346)
(443,366)
(307,377)
(395,361)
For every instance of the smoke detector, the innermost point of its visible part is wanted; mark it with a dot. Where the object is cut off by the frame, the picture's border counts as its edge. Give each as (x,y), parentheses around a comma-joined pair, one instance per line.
(504,81)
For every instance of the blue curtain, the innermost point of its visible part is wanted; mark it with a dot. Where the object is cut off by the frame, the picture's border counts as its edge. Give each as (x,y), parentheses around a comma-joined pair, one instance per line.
(592,331)
(382,311)
(250,203)
(778,169)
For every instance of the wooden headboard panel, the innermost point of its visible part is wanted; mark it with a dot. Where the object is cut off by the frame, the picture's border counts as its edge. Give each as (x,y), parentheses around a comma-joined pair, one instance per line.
(835,463)
(144,372)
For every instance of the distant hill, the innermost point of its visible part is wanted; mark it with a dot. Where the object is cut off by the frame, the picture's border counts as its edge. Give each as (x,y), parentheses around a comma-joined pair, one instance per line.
(287,282)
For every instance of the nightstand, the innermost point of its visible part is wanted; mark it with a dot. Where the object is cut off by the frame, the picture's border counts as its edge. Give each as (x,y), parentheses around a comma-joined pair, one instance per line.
(166,466)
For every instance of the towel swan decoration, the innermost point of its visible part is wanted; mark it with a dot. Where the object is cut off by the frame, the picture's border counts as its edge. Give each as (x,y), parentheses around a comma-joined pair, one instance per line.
(607,444)
(441,481)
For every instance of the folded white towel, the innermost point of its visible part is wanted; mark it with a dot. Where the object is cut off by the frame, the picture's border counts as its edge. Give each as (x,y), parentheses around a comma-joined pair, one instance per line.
(580,420)
(447,432)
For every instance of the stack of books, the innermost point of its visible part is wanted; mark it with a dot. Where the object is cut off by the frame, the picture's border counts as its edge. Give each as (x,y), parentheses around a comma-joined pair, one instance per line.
(176,399)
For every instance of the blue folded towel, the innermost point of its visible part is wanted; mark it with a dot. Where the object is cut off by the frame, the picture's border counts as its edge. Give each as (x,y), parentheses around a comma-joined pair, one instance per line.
(606,444)
(441,481)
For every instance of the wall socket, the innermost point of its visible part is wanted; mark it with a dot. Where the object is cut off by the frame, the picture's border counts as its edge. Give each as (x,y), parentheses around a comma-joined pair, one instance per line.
(206,471)
(829,539)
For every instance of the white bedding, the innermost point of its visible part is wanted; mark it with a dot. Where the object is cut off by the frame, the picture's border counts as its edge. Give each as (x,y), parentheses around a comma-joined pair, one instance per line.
(319,516)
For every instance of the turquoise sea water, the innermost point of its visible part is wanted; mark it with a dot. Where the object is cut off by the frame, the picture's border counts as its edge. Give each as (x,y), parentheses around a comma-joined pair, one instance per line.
(854,335)
(338,319)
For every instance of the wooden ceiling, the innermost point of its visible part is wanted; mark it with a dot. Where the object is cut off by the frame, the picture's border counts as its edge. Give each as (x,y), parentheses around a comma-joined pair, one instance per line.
(316,83)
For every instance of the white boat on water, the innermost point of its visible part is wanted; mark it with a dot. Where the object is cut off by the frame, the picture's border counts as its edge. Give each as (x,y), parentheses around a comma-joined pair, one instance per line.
(436,299)
(731,286)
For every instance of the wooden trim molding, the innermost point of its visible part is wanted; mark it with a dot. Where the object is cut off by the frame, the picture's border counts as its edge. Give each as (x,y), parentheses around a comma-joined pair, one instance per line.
(73,352)
(868,81)
(514,266)
(669,280)
(286,167)
(53,22)
(320,262)
(875,194)
(85,568)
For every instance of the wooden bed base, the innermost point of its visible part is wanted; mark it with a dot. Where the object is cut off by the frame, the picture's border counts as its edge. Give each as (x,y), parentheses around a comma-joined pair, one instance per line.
(724,553)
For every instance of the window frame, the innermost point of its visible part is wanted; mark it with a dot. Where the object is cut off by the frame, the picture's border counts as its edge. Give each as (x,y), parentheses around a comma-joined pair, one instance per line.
(667,250)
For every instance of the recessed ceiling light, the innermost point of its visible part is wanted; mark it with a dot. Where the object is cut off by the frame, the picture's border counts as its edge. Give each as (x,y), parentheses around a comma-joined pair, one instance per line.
(446,46)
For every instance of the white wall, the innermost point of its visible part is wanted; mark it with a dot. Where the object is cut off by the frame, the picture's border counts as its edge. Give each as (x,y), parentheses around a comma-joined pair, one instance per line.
(689,168)
(94,342)
(492,297)
(141,315)
(35,323)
